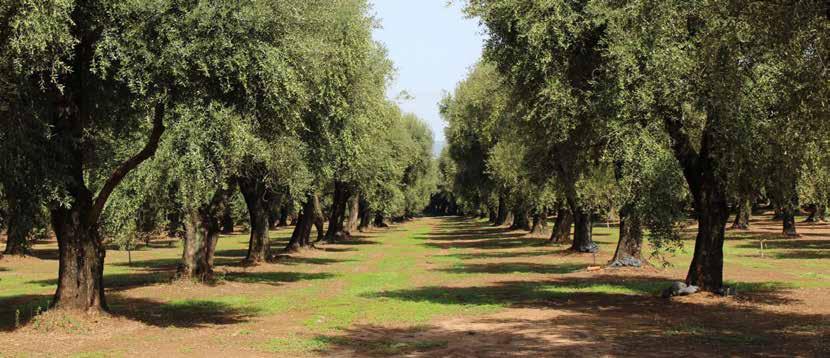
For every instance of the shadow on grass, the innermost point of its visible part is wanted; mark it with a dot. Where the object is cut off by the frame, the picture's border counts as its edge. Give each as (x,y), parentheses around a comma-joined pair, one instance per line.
(497,255)
(181,314)
(603,315)
(295,260)
(275,278)
(123,281)
(21,309)
(508,268)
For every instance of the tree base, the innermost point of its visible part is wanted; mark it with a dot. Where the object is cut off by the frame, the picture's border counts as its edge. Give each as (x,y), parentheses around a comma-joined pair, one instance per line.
(588,248)
(626,262)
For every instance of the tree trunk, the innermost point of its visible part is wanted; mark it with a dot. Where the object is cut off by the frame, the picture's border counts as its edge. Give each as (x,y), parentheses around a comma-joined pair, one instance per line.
(583,232)
(300,238)
(817,213)
(257,200)
(18,229)
(744,211)
(629,248)
(227,220)
(502,213)
(202,228)
(336,231)
(283,216)
(562,226)
(354,214)
(81,265)
(540,222)
(493,215)
(509,219)
(379,220)
(789,221)
(521,219)
(365,216)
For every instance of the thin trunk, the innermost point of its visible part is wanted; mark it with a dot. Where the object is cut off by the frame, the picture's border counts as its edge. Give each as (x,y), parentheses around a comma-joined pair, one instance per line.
(742,216)
(562,226)
(318,218)
(583,232)
(354,214)
(629,248)
(340,201)
(789,212)
(540,222)
(509,219)
(257,200)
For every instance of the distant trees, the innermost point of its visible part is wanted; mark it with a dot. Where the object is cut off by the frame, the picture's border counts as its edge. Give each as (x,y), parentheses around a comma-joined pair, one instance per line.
(603,93)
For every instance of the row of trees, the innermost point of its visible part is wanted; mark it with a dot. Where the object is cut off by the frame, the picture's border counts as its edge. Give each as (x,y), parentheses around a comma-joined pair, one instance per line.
(120,119)
(646,109)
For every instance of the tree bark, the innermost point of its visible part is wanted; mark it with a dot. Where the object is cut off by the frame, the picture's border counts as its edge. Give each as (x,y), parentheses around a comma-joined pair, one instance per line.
(336,231)
(629,248)
(227,220)
(789,228)
(521,219)
(492,215)
(300,238)
(742,216)
(354,214)
(18,228)
(202,228)
(283,216)
(540,222)
(257,200)
(380,220)
(583,232)
(709,198)
(502,213)
(365,216)
(817,213)
(81,264)
(562,226)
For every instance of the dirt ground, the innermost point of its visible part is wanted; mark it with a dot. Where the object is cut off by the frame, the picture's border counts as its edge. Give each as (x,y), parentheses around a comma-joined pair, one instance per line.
(434,287)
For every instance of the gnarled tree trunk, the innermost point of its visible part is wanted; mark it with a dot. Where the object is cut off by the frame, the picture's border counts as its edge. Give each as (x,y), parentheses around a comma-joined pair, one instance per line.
(629,248)
(354,214)
(340,201)
(540,222)
(81,264)
(227,220)
(502,212)
(257,200)
(521,219)
(300,238)
(283,216)
(18,228)
(583,232)
(562,226)
(742,216)
(365,216)
(202,228)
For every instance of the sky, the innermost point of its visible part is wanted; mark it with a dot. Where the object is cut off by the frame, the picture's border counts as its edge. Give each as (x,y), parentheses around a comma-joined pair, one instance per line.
(433,47)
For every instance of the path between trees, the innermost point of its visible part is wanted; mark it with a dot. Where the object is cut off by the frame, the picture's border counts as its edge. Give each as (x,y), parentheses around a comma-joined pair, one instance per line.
(431,287)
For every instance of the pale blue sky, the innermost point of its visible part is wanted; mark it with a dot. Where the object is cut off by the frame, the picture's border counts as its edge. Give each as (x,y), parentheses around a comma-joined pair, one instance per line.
(433,46)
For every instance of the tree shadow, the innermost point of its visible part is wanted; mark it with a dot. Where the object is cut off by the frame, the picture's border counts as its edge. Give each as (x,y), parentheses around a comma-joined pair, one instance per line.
(508,268)
(122,281)
(275,278)
(296,260)
(621,315)
(497,255)
(792,245)
(45,254)
(19,310)
(194,313)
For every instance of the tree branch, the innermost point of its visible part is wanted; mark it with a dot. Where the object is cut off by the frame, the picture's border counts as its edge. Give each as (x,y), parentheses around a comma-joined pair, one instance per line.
(127,166)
